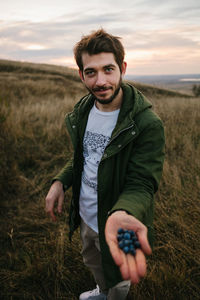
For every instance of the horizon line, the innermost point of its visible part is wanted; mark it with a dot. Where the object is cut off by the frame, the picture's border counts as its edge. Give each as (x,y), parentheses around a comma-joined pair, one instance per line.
(74,68)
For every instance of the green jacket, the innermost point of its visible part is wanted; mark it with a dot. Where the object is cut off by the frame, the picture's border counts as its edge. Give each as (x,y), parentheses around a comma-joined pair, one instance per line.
(129,171)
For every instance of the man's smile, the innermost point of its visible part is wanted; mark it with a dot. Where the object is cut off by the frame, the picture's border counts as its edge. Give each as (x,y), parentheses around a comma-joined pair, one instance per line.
(102,89)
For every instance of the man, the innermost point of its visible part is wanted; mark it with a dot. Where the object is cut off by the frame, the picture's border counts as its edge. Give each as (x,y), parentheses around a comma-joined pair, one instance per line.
(116,167)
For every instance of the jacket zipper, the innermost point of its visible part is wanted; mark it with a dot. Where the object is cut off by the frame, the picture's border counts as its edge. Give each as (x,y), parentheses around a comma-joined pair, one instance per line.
(120,133)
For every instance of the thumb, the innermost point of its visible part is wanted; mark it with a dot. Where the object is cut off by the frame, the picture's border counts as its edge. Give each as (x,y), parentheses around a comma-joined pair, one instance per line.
(142,237)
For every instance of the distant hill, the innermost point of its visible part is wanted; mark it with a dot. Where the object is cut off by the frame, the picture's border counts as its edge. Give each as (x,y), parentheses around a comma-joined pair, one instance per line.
(33,68)
(23,71)
(182,83)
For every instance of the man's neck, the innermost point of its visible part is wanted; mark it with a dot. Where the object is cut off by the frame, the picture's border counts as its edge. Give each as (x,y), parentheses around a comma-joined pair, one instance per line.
(114,105)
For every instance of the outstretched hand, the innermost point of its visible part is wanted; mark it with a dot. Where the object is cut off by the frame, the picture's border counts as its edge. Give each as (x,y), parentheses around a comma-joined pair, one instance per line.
(132,267)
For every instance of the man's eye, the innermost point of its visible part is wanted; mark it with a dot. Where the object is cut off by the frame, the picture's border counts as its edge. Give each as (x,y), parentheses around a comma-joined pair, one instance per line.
(89,73)
(109,70)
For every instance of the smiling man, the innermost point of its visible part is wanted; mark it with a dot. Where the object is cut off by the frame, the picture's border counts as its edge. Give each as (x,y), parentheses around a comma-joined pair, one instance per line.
(115,170)
(102,77)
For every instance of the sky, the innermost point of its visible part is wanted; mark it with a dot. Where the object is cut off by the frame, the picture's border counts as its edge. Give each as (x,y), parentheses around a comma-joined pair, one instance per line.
(160,37)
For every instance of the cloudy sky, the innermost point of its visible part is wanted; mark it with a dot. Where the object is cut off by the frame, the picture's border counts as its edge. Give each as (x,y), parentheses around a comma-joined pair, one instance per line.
(160,37)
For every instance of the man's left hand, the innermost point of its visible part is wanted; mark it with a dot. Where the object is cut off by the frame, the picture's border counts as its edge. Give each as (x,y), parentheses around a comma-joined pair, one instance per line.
(132,267)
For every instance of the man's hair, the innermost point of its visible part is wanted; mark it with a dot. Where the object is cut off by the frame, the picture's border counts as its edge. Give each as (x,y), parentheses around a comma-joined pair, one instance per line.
(97,42)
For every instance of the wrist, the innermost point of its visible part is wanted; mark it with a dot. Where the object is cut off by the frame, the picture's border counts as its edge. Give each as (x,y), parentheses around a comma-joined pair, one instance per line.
(59,184)
(118,210)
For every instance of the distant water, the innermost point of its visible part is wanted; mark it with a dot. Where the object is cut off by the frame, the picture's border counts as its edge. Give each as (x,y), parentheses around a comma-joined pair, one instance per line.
(165,79)
(189,79)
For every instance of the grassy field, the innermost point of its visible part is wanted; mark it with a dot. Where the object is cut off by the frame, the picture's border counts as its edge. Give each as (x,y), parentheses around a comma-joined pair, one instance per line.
(37,261)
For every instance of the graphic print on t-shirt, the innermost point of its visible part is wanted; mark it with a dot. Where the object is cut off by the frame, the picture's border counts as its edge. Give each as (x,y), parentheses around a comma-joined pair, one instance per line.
(97,136)
(93,148)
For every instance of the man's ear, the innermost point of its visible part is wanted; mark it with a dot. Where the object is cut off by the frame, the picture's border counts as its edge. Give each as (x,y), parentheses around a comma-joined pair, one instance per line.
(124,65)
(81,74)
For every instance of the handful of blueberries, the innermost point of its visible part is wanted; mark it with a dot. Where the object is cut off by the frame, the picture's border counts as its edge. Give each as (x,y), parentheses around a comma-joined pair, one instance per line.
(128,241)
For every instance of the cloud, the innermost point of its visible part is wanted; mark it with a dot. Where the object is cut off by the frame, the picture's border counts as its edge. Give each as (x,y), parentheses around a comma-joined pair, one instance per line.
(164,39)
(60,34)
(150,33)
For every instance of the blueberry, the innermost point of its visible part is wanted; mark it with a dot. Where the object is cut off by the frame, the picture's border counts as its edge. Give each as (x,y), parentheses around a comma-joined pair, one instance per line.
(134,234)
(121,244)
(126,249)
(120,237)
(137,244)
(127,236)
(131,232)
(134,239)
(132,251)
(120,230)
(127,242)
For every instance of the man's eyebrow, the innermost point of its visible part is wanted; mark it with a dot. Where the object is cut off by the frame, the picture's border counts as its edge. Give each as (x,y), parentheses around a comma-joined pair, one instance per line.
(109,65)
(106,66)
(88,69)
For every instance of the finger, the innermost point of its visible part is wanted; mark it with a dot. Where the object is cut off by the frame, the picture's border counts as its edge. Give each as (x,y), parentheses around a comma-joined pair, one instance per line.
(124,268)
(127,272)
(140,263)
(60,203)
(49,209)
(133,272)
(53,217)
(115,252)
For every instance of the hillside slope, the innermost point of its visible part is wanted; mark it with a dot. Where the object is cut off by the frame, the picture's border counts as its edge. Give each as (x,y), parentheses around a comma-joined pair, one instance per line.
(37,261)
(65,77)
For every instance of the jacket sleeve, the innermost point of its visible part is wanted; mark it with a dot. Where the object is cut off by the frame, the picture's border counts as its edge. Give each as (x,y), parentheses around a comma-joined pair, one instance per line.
(65,175)
(143,174)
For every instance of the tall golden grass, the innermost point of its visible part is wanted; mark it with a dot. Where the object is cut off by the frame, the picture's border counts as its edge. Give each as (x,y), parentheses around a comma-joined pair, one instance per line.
(37,261)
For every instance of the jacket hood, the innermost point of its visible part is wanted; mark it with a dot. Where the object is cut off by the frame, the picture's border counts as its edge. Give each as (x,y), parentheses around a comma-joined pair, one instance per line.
(134,102)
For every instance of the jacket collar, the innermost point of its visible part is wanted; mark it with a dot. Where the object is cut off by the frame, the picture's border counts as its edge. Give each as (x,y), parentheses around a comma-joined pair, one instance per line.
(134,102)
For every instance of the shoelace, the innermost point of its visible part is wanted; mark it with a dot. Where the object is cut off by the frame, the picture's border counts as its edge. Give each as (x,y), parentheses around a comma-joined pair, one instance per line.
(95,292)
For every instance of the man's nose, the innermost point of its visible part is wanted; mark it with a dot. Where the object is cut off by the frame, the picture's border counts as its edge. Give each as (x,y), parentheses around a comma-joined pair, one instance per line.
(101,79)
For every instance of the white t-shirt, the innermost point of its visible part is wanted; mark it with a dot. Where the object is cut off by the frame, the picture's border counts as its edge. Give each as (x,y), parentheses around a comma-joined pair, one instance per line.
(97,135)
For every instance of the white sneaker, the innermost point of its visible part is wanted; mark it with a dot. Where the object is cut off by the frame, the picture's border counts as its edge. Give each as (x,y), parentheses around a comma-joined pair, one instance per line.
(93,295)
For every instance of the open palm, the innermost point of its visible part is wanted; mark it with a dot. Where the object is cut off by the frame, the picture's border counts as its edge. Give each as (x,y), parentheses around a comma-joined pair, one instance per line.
(132,267)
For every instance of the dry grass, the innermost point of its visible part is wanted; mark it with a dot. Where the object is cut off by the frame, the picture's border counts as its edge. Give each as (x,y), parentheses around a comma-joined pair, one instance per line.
(37,261)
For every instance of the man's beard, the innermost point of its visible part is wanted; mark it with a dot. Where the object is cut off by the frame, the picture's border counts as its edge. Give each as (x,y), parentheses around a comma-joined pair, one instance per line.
(109,100)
